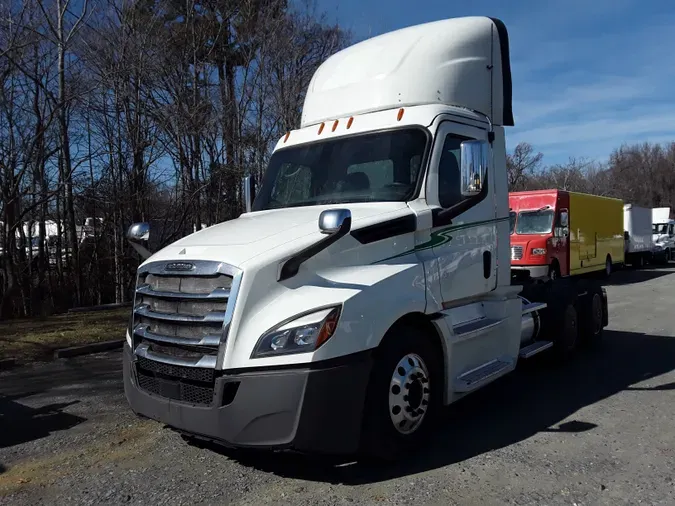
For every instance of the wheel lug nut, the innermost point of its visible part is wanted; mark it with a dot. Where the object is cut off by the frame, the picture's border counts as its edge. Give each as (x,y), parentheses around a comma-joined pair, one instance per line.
(424,403)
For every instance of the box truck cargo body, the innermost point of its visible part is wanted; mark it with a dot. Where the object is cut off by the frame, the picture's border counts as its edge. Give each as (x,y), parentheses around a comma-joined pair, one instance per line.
(637,226)
(560,233)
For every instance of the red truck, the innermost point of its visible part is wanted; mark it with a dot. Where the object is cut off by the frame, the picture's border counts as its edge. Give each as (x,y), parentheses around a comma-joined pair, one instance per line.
(559,233)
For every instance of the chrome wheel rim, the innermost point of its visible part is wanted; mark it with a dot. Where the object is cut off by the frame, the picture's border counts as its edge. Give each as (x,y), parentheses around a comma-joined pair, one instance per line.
(409,393)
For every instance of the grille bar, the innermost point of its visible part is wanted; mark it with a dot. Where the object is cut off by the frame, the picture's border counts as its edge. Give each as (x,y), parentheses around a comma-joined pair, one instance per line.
(204,362)
(212,317)
(217,294)
(143,332)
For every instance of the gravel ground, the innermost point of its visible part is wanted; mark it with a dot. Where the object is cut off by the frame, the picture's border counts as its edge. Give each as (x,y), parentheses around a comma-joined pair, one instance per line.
(596,431)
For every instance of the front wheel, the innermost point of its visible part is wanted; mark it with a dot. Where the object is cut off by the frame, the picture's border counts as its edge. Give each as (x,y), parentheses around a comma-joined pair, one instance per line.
(608,267)
(404,394)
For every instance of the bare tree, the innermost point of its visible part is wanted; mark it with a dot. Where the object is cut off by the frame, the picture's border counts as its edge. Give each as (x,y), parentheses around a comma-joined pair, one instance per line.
(522,165)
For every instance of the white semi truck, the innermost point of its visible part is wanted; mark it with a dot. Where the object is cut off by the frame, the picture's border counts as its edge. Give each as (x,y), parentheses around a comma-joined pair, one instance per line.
(369,283)
(663,234)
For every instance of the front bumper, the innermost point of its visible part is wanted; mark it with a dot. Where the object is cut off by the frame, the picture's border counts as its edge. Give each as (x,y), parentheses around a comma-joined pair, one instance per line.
(536,271)
(317,409)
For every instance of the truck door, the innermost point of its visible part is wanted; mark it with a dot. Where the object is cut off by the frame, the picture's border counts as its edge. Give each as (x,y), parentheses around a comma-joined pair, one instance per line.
(464,242)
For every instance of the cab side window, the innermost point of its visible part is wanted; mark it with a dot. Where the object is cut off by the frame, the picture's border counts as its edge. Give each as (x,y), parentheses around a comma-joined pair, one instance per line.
(449,178)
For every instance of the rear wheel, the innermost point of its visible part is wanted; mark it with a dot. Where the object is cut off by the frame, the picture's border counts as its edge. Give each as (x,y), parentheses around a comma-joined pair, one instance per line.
(591,313)
(561,318)
(608,266)
(404,395)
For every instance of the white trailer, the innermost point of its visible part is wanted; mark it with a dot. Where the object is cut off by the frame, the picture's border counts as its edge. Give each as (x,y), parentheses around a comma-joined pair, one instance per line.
(637,225)
(663,234)
(369,283)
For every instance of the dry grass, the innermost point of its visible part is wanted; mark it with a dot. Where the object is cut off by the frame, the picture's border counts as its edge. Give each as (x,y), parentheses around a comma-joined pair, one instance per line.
(37,338)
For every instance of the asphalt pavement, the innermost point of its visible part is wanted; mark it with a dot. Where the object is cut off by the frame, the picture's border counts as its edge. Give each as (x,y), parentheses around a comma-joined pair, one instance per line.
(597,430)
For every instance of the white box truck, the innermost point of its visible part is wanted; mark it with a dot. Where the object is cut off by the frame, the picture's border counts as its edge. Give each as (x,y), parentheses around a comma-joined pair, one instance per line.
(637,225)
(663,234)
(369,283)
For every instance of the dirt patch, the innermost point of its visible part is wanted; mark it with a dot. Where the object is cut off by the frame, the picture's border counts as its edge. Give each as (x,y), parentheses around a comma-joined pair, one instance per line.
(37,338)
(126,445)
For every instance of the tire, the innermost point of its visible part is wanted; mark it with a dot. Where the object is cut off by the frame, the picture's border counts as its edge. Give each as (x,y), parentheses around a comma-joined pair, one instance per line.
(561,321)
(554,272)
(406,374)
(608,267)
(591,313)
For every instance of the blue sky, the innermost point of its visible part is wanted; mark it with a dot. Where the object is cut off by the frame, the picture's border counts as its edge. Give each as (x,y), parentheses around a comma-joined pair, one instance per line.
(587,75)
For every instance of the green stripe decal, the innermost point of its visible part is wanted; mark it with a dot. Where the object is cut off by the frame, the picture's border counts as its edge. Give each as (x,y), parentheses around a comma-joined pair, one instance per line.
(442,236)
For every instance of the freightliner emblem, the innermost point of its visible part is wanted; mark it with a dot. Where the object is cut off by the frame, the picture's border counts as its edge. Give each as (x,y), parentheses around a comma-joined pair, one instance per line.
(179,266)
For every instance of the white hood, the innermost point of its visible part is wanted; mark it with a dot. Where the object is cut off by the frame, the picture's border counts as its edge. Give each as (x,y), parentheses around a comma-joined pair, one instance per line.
(252,234)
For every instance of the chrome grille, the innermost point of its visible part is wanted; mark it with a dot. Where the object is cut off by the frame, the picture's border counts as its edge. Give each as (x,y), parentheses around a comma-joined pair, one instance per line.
(180,322)
(516,252)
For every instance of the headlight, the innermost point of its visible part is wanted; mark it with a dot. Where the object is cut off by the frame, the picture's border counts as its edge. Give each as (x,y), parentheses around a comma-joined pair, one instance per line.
(538,251)
(301,335)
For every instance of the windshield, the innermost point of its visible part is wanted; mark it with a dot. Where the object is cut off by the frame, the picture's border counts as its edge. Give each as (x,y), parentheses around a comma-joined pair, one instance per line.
(660,228)
(512,221)
(534,222)
(381,166)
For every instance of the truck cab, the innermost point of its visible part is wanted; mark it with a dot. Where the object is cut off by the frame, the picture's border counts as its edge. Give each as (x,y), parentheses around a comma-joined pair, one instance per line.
(539,232)
(368,283)
(663,234)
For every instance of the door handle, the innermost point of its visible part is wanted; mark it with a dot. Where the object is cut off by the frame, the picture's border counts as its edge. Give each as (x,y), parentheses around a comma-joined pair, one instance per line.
(487,264)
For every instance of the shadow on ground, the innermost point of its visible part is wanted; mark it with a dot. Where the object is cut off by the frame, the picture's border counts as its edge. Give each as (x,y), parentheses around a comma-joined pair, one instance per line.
(83,377)
(631,276)
(533,399)
(20,423)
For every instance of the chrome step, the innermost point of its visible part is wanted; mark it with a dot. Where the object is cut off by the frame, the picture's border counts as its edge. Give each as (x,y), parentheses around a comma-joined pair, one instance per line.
(533,306)
(476,378)
(474,328)
(536,347)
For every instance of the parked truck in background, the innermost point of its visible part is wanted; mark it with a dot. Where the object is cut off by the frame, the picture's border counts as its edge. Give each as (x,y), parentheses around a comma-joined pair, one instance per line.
(663,234)
(368,284)
(558,233)
(637,226)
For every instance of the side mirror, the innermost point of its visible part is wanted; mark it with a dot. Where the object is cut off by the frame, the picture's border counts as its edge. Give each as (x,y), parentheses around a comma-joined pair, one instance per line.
(332,221)
(249,192)
(474,160)
(139,232)
(564,218)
